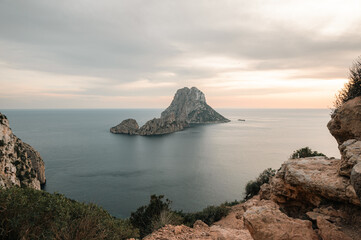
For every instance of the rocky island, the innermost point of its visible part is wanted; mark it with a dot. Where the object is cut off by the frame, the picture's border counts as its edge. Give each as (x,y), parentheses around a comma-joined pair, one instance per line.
(189,107)
(20,165)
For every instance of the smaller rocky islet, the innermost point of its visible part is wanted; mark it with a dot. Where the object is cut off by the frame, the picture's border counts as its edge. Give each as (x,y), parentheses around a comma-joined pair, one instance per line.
(189,107)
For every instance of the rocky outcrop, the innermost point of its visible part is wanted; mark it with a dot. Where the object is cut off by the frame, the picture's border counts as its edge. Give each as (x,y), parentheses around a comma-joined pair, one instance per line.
(310,181)
(264,220)
(128,126)
(350,156)
(20,164)
(329,231)
(356,179)
(188,107)
(345,122)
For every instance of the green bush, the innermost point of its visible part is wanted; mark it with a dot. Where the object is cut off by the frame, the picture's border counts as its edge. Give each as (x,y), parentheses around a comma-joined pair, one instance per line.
(305,152)
(352,88)
(252,188)
(209,215)
(145,218)
(26,213)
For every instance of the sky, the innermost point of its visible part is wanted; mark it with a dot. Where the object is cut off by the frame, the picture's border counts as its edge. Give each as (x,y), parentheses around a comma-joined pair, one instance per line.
(136,54)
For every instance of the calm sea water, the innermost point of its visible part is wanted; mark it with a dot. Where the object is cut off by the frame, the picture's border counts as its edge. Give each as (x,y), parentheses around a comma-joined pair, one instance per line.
(201,166)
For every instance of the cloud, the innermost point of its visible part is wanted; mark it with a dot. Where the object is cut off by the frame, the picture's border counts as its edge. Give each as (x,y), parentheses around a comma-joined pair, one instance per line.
(150,48)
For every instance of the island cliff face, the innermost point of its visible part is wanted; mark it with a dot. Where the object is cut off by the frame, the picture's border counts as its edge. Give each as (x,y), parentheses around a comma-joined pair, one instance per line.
(315,198)
(20,164)
(188,107)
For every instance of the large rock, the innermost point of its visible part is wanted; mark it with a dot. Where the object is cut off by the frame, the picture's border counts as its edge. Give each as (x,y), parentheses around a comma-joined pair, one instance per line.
(190,105)
(329,231)
(345,122)
(128,126)
(356,179)
(20,164)
(311,180)
(264,220)
(350,156)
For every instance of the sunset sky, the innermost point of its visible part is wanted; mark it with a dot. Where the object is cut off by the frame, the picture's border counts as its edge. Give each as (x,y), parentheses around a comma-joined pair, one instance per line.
(136,54)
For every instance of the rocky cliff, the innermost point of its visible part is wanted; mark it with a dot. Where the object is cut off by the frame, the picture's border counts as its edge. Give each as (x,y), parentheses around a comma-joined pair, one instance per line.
(188,107)
(316,198)
(20,164)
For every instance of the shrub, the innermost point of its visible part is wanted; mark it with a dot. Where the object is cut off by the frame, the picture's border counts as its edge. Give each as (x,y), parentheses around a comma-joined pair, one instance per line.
(166,217)
(252,188)
(145,217)
(305,152)
(2,143)
(352,88)
(209,215)
(26,213)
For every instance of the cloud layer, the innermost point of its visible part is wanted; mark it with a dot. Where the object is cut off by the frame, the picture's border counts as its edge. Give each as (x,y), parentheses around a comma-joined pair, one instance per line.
(137,53)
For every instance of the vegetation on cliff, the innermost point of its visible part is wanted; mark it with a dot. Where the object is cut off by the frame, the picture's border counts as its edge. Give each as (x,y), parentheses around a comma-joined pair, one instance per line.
(305,152)
(158,213)
(252,188)
(26,213)
(352,88)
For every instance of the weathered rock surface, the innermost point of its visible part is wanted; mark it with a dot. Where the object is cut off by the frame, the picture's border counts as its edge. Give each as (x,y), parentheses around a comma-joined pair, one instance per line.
(20,164)
(329,231)
(128,126)
(264,220)
(356,179)
(188,107)
(350,156)
(160,126)
(345,122)
(199,231)
(311,180)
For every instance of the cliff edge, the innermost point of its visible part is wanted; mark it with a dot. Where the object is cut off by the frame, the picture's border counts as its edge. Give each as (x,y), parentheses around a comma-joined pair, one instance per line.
(188,107)
(20,164)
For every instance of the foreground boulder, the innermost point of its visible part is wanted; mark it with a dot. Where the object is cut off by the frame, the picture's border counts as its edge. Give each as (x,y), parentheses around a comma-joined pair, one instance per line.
(312,180)
(188,107)
(20,164)
(264,220)
(345,122)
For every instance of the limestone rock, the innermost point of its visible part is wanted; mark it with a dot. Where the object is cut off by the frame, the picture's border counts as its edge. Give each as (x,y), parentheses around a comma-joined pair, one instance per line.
(190,105)
(264,220)
(329,231)
(345,122)
(200,231)
(20,164)
(128,126)
(356,179)
(350,156)
(310,180)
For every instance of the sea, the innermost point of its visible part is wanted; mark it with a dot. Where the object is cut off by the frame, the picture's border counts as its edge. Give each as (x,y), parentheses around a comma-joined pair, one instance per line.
(200,166)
